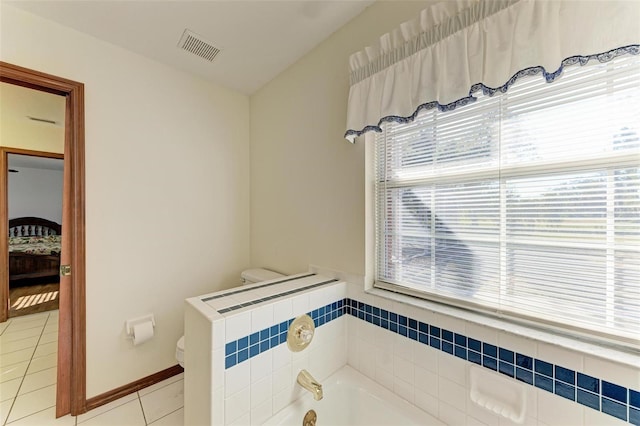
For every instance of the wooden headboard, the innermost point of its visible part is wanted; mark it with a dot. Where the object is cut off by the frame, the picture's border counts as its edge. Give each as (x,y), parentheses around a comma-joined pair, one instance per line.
(33,227)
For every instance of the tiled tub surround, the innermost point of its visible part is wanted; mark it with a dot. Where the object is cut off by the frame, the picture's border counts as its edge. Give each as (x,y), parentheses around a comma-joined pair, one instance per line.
(243,370)
(432,344)
(422,356)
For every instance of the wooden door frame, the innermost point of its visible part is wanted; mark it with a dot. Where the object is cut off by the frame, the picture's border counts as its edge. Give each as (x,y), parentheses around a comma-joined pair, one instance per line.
(71,383)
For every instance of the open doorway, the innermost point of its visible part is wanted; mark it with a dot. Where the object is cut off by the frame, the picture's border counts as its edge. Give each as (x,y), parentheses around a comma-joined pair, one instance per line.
(34,205)
(71,362)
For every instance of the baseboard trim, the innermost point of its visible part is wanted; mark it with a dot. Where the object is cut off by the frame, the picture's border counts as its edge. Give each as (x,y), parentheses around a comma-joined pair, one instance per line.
(132,387)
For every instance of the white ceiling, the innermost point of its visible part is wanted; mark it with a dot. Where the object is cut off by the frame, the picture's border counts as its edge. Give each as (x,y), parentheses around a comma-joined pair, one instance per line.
(258,38)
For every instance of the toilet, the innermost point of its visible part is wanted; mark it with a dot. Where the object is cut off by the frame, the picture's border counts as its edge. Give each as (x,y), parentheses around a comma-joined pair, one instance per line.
(248,276)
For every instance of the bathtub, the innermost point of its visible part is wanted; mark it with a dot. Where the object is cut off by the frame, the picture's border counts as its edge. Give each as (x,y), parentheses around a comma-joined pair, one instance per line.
(351,399)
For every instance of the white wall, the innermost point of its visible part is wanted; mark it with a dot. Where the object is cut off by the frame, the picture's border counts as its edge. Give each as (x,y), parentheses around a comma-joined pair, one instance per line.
(167,189)
(36,192)
(307,181)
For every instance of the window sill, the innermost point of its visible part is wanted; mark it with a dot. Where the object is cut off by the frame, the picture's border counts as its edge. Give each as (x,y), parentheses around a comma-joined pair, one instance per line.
(619,354)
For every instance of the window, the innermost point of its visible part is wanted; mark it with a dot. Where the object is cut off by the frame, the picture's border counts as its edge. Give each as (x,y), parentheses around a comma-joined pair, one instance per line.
(524,204)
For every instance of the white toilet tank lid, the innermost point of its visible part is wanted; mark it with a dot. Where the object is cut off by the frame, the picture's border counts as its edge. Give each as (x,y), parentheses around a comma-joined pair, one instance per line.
(259,274)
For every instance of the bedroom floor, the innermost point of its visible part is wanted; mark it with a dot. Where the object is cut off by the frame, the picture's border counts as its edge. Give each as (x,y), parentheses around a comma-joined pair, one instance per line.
(28,356)
(31,299)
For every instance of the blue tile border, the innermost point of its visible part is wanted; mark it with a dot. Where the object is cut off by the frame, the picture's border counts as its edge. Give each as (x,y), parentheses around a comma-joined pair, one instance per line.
(597,394)
(600,395)
(245,348)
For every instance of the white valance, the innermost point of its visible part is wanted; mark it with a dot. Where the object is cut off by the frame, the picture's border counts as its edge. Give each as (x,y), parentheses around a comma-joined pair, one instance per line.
(456,48)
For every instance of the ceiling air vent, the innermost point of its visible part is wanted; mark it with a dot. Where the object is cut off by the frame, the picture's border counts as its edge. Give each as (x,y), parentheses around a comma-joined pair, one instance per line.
(192,42)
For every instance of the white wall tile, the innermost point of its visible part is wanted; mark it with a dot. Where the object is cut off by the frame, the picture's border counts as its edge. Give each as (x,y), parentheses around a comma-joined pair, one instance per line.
(261,366)
(282,379)
(517,344)
(217,407)
(472,421)
(300,304)
(452,393)
(367,356)
(450,323)
(426,402)
(560,356)
(281,356)
(619,374)
(482,333)
(237,326)
(218,334)
(482,414)
(237,378)
(242,421)
(403,347)
(282,398)
(262,412)
(453,368)
(426,381)
(426,357)
(262,318)
(237,406)
(403,390)
(282,311)
(451,415)
(262,391)
(403,370)
(555,410)
(598,418)
(383,358)
(382,338)
(384,378)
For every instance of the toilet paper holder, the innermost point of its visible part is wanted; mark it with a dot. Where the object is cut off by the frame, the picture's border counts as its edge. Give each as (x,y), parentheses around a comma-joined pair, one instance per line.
(131,323)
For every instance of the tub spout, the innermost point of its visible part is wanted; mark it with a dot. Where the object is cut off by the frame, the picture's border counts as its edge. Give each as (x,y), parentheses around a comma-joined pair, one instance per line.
(307,381)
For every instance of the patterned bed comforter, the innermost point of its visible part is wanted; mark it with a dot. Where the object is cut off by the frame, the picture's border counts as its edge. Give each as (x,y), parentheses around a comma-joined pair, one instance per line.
(35,245)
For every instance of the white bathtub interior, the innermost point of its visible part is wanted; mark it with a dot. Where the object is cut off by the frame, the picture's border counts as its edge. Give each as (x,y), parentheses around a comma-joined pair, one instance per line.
(352,399)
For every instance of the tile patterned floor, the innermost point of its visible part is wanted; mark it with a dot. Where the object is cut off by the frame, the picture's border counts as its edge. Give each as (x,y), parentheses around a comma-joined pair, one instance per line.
(28,356)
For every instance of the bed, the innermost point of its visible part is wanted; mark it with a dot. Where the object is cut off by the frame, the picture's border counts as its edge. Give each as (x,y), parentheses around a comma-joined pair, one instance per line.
(34,249)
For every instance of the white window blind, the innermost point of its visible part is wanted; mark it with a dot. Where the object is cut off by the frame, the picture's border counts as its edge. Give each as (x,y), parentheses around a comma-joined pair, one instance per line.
(524,204)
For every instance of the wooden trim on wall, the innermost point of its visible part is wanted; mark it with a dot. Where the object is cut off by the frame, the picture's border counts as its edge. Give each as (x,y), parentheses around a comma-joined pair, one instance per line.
(4,236)
(71,383)
(132,387)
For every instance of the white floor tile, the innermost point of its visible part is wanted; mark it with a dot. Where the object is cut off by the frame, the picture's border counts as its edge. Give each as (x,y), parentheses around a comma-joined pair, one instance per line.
(11,336)
(31,342)
(43,363)
(33,402)
(166,382)
(45,349)
(48,338)
(163,401)
(16,357)
(13,371)
(104,408)
(50,328)
(3,326)
(38,380)
(28,321)
(174,419)
(45,418)
(5,406)
(9,389)
(129,414)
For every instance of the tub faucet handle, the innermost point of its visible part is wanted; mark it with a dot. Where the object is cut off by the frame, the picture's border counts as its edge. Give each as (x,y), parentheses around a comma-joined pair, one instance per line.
(307,381)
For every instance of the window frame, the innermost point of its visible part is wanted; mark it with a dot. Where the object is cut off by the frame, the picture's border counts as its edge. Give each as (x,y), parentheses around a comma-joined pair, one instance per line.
(535,324)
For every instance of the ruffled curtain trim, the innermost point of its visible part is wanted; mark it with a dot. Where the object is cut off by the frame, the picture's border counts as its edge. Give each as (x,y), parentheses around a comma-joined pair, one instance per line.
(478,45)
(581,60)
